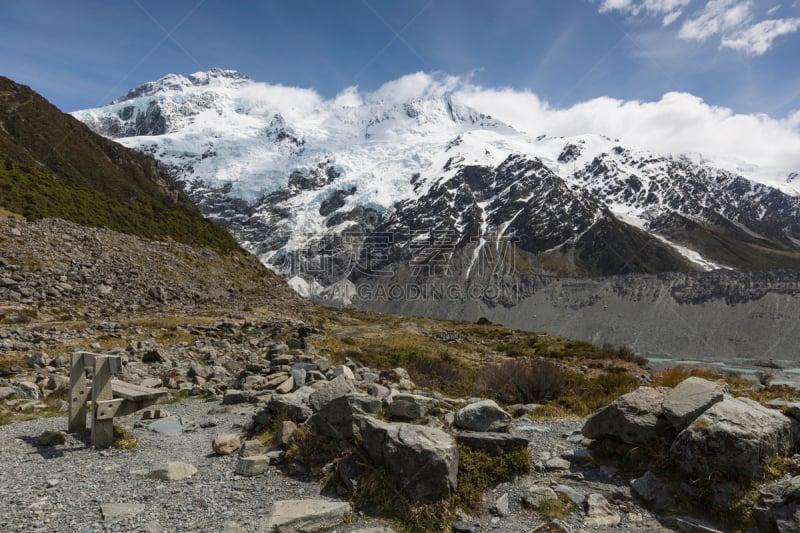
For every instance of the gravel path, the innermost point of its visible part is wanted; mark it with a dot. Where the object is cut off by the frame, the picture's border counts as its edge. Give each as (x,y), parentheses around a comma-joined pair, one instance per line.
(62,488)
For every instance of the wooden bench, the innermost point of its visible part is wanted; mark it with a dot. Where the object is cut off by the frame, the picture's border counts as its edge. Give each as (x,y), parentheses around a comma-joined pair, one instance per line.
(110,397)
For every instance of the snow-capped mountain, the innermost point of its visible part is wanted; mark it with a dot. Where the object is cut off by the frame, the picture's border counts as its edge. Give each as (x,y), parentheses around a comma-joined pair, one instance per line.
(329,191)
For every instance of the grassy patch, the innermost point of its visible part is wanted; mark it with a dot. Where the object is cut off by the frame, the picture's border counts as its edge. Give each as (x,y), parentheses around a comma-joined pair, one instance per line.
(379,495)
(181,395)
(26,411)
(556,508)
(477,472)
(312,449)
(124,439)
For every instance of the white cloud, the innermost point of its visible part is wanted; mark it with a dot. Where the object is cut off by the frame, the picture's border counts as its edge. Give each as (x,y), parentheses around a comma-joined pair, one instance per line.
(417,85)
(735,21)
(671,9)
(677,123)
(610,5)
(348,98)
(718,16)
(758,38)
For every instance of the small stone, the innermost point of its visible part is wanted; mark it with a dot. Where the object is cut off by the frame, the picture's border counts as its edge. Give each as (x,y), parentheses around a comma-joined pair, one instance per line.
(466,527)
(599,512)
(286,387)
(284,433)
(226,444)
(575,497)
(252,447)
(557,463)
(172,471)
(345,372)
(500,507)
(252,466)
(297,516)
(119,511)
(538,494)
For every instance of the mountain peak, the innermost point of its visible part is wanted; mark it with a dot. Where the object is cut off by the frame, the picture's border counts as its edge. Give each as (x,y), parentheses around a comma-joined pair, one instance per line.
(178,83)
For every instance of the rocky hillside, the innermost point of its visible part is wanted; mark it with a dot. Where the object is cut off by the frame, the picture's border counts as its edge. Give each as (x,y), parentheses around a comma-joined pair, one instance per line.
(52,269)
(52,165)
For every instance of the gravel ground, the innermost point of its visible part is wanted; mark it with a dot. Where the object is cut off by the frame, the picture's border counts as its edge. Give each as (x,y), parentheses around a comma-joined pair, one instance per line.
(62,488)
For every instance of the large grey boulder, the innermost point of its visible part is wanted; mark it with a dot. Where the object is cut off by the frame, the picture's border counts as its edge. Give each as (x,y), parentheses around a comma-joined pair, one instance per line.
(484,415)
(423,461)
(339,417)
(301,516)
(411,406)
(689,399)
(291,406)
(634,418)
(329,391)
(735,438)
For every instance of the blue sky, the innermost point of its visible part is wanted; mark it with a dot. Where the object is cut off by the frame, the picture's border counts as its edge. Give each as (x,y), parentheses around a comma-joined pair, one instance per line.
(84,53)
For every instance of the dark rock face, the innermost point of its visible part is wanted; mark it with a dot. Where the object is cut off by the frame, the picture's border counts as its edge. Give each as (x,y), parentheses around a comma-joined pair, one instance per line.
(423,460)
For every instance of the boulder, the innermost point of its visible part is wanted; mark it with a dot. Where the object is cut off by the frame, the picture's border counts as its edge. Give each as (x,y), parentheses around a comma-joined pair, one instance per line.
(252,447)
(172,471)
(344,372)
(292,406)
(27,390)
(301,516)
(284,433)
(778,510)
(689,399)
(652,491)
(339,417)
(252,465)
(7,392)
(735,438)
(422,460)
(484,415)
(491,443)
(234,396)
(411,406)
(600,513)
(329,391)
(538,494)
(226,444)
(286,386)
(634,418)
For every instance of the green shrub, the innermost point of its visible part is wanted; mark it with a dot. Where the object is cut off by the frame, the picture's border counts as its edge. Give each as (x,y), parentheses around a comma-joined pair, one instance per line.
(526,380)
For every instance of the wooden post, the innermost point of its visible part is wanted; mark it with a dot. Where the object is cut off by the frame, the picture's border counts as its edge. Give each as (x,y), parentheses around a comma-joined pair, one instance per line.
(102,428)
(77,394)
